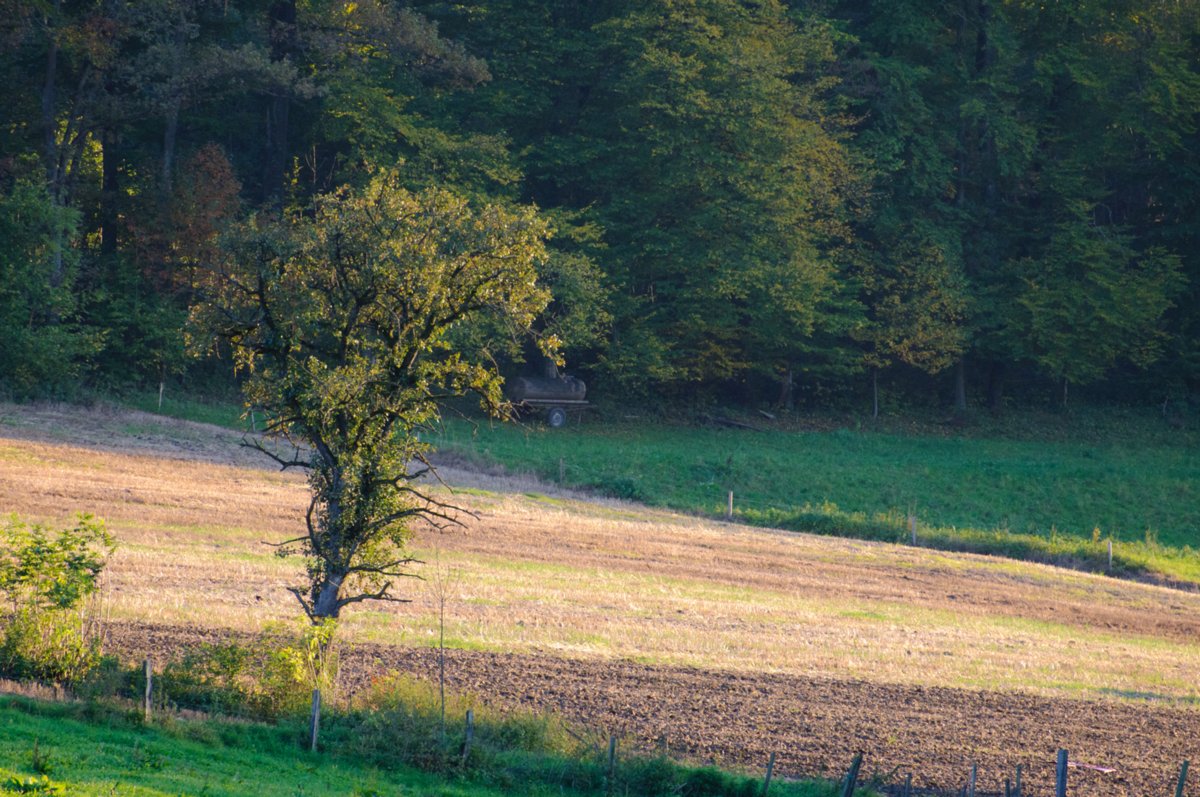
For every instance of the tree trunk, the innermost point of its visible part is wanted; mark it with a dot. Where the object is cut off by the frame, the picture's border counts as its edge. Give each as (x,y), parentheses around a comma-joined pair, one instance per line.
(874,393)
(275,179)
(49,99)
(170,134)
(960,387)
(995,385)
(109,186)
(787,389)
(282,33)
(50,152)
(325,599)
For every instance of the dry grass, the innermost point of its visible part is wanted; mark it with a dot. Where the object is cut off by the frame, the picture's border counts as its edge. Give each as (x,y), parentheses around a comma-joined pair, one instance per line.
(550,573)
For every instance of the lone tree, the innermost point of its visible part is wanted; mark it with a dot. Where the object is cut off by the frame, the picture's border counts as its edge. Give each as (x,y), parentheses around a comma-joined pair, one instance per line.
(343,320)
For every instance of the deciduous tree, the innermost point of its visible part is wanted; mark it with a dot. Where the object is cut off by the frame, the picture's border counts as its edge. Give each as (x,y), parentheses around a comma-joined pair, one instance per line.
(340,320)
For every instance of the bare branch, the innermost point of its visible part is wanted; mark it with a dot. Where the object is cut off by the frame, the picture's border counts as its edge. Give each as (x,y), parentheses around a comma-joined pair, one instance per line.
(389,568)
(283,544)
(381,595)
(284,464)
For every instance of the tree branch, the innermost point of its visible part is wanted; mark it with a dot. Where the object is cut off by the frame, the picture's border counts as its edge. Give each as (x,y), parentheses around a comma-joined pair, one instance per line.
(381,595)
(388,569)
(284,464)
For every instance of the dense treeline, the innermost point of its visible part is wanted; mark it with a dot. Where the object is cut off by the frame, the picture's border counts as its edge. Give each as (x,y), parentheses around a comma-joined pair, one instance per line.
(760,201)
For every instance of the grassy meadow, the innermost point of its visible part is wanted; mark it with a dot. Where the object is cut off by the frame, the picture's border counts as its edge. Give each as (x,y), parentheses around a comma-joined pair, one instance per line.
(110,753)
(1055,497)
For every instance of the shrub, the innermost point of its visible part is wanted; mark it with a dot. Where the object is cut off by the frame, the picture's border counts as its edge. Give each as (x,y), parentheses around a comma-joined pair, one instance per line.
(50,631)
(625,488)
(268,678)
(44,569)
(402,724)
(53,645)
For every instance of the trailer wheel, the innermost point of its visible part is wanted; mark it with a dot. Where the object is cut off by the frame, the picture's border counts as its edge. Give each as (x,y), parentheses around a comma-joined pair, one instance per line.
(556,417)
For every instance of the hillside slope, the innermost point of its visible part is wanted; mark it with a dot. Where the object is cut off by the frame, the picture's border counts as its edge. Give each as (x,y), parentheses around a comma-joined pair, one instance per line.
(728,641)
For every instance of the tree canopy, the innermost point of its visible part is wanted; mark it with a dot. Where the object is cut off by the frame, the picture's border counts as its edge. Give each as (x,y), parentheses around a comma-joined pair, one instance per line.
(756,202)
(341,320)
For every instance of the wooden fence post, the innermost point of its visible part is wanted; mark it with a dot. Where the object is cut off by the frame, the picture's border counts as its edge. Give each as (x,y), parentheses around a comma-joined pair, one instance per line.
(729,507)
(612,762)
(146,699)
(770,771)
(562,470)
(1110,554)
(468,736)
(314,721)
(852,776)
(1182,777)
(1060,775)
(912,528)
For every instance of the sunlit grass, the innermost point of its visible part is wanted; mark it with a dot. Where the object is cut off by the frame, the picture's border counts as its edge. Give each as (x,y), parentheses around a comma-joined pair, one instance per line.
(1040,500)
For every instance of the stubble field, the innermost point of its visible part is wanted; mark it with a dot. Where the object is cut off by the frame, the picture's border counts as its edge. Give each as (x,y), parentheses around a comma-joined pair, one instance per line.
(725,643)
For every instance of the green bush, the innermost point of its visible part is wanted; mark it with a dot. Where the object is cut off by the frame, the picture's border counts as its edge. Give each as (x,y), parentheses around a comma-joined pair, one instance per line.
(271,677)
(712,782)
(402,724)
(45,569)
(33,785)
(54,645)
(50,631)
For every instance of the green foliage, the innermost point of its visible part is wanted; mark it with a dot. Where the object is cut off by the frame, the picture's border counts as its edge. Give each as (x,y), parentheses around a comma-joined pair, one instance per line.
(340,321)
(42,348)
(400,724)
(52,645)
(33,785)
(1091,301)
(721,185)
(269,678)
(41,568)
(137,329)
(742,193)
(49,633)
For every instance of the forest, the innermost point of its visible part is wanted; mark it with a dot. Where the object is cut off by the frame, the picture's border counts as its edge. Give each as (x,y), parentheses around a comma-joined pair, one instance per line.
(969,203)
